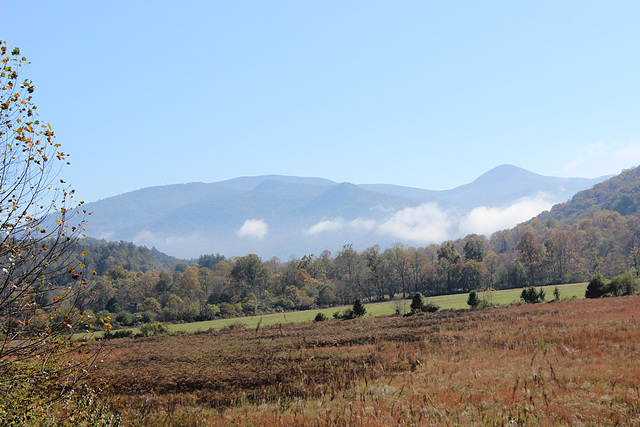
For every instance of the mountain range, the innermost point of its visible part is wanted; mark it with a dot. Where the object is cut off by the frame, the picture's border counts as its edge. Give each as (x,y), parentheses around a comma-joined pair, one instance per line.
(285,216)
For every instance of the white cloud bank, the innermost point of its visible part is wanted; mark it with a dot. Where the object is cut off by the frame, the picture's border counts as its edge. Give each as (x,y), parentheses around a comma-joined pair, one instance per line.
(429,223)
(326,226)
(331,225)
(256,228)
(486,220)
(422,224)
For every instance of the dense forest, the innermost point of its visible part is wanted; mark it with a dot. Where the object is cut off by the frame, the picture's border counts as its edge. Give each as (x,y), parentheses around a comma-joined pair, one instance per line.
(597,231)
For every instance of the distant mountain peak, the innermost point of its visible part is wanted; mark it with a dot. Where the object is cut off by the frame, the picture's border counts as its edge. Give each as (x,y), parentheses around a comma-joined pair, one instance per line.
(506,171)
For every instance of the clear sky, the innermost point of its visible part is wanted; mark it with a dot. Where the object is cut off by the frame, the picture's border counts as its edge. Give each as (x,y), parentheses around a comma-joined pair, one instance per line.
(418,93)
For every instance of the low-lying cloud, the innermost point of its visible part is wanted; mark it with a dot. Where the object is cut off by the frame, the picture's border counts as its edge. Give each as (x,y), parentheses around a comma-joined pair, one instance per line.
(256,228)
(422,224)
(486,220)
(327,226)
(430,223)
(337,224)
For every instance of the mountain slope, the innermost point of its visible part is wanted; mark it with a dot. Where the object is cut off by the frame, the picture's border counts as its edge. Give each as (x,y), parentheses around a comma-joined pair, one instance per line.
(620,193)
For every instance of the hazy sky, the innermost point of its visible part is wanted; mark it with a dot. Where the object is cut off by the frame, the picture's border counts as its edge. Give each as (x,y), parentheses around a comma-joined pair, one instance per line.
(416,93)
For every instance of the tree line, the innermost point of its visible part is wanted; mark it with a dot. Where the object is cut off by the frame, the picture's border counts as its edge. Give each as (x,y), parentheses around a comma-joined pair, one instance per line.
(212,286)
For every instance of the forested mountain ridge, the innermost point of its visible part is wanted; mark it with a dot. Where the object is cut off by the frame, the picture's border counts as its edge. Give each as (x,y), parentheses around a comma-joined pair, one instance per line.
(283,216)
(620,194)
(597,231)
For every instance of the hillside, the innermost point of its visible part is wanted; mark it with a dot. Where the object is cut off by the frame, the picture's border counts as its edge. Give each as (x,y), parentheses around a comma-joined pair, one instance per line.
(620,194)
(99,255)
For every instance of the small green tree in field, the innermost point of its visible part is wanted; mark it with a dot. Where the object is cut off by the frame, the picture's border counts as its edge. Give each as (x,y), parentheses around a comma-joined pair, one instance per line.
(417,303)
(473,301)
(532,296)
(359,309)
(556,294)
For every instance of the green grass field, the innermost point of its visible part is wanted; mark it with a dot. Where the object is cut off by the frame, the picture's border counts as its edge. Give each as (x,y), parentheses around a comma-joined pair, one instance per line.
(387,308)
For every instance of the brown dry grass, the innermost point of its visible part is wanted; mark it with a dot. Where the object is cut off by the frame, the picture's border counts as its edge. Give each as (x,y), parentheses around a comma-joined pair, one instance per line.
(563,363)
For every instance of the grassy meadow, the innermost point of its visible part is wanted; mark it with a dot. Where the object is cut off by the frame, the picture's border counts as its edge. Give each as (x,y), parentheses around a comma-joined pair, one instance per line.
(570,362)
(387,308)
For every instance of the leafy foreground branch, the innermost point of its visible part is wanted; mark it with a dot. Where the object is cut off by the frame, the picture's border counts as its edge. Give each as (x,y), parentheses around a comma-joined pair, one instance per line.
(41,278)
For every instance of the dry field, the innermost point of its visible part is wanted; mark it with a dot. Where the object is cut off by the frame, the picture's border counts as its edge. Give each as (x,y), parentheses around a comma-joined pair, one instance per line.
(561,363)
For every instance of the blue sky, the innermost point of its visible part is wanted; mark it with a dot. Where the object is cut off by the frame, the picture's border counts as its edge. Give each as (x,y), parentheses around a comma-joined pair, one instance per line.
(416,93)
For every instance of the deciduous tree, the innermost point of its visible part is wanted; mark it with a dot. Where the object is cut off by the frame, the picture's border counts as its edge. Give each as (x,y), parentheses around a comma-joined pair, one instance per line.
(250,274)
(530,253)
(39,272)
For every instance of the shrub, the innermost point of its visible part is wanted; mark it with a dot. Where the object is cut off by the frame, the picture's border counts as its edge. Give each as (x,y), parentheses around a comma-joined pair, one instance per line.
(320,317)
(346,314)
(625,284)
(420,305)
(473,301)
(125,318)
(152,329)
(123,333)
(399,307)
(234,326)
(430,307)
(598,287)
(531,296)
(104,314)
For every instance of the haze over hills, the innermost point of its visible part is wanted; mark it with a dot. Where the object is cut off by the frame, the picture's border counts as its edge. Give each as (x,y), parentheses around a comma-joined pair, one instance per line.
(287,216)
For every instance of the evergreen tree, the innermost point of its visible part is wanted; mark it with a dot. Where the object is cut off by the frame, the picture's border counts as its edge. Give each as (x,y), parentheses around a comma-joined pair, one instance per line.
(598,287)
(417,303)
(359,309)
(473,301)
